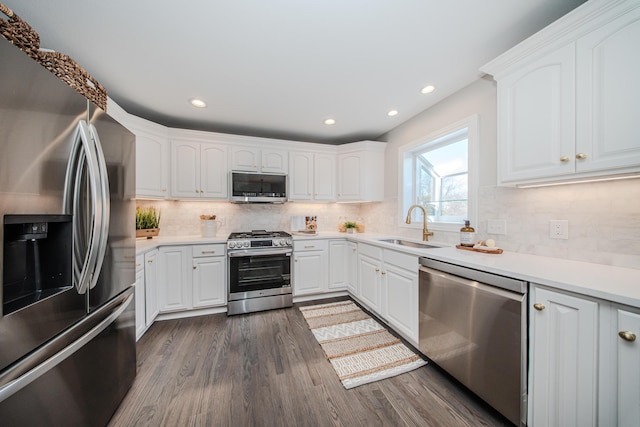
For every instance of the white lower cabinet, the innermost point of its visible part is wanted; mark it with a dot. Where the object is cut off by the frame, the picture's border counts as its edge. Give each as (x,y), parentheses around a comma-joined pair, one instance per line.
(585,361)
(564,359)
(192,277)
(209,266)
(400,293)
(310,267)
(140,297)
(620,366)
(369,268)
(343,265)
(151,286)
(174,292)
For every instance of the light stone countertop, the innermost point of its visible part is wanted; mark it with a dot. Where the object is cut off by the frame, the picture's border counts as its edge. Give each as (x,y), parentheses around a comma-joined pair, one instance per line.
(617,284)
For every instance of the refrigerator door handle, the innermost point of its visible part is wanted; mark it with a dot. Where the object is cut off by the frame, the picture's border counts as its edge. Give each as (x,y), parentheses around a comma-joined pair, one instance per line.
(21,375)
(84,153)
(103,181)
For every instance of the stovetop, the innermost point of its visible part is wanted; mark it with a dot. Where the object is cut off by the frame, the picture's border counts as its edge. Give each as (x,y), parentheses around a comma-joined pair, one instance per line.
(259,234)
(259,239)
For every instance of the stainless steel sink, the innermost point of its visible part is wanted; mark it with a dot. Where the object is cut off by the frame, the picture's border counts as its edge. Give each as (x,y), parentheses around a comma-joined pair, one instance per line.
(417,245)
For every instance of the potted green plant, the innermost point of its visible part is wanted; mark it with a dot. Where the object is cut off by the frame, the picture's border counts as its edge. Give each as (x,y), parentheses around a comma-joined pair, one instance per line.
(147,222)
(350,226)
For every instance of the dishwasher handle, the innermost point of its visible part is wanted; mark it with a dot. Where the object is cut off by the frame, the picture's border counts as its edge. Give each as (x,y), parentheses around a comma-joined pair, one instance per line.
(486,287)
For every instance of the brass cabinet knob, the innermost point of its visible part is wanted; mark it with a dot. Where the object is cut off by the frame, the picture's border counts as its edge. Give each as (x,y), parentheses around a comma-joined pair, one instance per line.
(377,270)
(164,189)
(295,260)
(581,156)
(627,336)
(564,159)
(150,261)
(539,307)
(383,273)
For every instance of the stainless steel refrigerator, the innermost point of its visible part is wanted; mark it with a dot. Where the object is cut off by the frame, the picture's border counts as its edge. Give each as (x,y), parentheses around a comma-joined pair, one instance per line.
(67,251)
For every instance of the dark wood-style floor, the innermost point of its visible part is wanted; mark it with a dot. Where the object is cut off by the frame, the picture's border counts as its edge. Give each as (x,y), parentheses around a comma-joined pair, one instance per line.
(267,369)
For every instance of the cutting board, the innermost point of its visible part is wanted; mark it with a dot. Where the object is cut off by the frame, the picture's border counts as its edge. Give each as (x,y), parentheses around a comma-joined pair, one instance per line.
(482,250)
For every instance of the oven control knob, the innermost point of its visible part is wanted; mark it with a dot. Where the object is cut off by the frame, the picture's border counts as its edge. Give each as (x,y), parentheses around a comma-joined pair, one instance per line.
(289,242)
(245,244)
(277,242)
(232,245)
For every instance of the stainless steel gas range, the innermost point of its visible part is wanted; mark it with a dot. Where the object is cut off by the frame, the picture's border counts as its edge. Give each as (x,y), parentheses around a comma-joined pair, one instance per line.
(259,266)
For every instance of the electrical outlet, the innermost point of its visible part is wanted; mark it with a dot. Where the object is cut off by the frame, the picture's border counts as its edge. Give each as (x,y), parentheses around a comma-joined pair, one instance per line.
(497,226)
(559,229)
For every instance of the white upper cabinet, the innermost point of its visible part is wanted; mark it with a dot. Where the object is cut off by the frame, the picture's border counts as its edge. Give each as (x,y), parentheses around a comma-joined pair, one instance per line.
(311,176)
(152,159)
(608,101)
(568,98)
(198,170)
(537,118)
(253,159)
(361,172)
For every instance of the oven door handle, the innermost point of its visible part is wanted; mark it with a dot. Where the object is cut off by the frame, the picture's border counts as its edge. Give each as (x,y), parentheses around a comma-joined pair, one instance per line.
(254,252)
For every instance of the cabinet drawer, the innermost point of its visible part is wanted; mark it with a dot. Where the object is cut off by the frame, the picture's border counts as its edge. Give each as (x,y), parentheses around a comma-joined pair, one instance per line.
(208,250)
(310,245)
(405,261)
(369,250)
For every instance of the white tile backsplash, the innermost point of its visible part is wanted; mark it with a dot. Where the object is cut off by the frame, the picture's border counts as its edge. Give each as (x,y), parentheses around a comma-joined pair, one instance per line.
(604,219)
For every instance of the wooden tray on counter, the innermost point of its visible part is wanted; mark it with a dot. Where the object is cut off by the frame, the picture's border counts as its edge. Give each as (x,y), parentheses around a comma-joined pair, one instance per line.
(484,251)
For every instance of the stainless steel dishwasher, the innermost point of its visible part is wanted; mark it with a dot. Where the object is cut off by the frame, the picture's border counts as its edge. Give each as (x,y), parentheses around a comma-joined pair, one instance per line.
(473,324)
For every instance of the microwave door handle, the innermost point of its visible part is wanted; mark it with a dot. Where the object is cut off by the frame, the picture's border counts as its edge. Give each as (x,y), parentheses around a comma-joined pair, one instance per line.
(105,204)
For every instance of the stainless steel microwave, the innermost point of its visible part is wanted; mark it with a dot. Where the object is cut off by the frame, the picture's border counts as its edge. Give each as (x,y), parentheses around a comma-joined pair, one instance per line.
(250,187)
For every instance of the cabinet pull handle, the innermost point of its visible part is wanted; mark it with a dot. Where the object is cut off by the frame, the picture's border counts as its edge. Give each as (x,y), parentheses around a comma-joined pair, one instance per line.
(208,252)
(539,307)
(581,156)
(564,159)
(309,247)
(194,267)
(138,264)
(164,189)
(296,260)
(627,336)
(377,270)
(150,261)
(383,273)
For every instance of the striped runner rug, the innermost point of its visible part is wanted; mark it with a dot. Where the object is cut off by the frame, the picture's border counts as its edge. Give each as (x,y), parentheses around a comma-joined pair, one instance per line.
(360,349)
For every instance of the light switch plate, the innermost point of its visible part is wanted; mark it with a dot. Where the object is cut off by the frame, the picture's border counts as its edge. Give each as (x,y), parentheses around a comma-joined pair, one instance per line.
(497,226)
(559,229)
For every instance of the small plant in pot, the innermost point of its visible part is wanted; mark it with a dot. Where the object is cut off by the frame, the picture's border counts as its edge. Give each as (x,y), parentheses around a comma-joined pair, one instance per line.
(147,222)
(350,226)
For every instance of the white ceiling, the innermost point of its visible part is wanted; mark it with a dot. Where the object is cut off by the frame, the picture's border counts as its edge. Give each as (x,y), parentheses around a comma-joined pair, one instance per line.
(279,68)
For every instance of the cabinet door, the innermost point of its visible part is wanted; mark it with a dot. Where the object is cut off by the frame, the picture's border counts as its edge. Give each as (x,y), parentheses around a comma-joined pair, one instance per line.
(324,182)
(300,176)
(245,159)
(338,264)
(628,367)
(352,268)
(564,362)
(173,280)
(209,281)
(609,95)
(400,300)
(185,169)
(151,286)
(349,176)
(274,161)
(369,275)
(536,116)
(152,166)
(213,171)
(140,304)
(309,275)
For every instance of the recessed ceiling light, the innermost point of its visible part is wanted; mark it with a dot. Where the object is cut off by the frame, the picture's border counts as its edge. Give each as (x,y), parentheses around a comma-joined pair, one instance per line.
(428,89)
(330,122)
(198,103)
(392,113)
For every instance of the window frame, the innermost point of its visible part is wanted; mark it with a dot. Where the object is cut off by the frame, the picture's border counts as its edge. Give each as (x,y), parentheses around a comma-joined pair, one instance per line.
(406,181)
